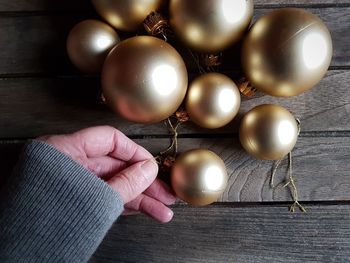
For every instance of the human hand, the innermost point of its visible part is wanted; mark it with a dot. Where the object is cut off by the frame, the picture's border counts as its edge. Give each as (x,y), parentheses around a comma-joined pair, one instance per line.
(127,167)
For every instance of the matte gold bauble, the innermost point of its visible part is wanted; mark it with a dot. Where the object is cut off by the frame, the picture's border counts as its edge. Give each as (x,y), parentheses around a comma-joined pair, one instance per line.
(268,132)
(210,25)
(88,44)
(212,100)
(144,79)
(286,52)
(199,177)
(125,15)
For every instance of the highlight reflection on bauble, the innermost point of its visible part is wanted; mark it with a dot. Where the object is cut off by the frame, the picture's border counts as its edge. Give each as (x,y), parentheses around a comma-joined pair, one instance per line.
(144,79)
(286,52)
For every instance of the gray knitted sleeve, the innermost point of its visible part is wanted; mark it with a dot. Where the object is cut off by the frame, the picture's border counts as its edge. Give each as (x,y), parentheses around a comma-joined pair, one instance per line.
(53,209)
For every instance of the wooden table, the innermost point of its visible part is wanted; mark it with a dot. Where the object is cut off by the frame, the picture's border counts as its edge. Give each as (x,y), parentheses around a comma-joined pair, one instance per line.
(41,93)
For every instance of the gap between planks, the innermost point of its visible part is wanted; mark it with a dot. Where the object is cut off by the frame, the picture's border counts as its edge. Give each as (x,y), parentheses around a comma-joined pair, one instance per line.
(47,75)
(309,134)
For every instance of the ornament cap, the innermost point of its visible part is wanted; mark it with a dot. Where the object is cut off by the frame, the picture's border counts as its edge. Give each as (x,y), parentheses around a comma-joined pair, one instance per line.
(211,60)
(246,88)
(155,24)
(182,115)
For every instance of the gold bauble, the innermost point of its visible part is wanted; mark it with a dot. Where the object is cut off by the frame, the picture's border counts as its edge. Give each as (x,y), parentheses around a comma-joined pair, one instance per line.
(125,15)
(210,25)
(88,44)
(199,177)
(286,52)
(212,100)
(268,132)
(144,79)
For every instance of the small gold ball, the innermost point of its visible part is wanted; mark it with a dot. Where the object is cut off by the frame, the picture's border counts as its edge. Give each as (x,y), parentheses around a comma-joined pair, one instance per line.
(212,100)
(286,52)
(144,79)
(210,25)
(88,44)
(199,177)
(126,15)
(268,132)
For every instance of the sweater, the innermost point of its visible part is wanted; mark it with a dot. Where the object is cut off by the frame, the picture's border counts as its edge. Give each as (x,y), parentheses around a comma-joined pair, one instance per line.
(53,209)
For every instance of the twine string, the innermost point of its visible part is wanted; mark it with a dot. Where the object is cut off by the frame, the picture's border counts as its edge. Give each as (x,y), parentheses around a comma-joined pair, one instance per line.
(174,144)
(172,150)
(290,182)
(272,179)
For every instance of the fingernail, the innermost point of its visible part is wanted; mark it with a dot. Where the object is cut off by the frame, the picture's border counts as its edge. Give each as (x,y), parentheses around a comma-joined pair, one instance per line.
(150,167)
(169,216)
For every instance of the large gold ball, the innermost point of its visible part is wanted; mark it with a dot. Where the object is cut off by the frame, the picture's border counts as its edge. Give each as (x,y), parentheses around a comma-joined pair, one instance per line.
(88,44)
(199,177)
(212,100)
(286,52)
(268,132)
(144,79)
(210,25)
(125,15)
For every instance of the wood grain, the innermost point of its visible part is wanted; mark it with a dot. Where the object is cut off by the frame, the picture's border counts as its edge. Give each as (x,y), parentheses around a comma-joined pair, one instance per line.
(232,234)
(35,106)
(321,168)
(36,44)
(83,5)
(41,93)
(44,5)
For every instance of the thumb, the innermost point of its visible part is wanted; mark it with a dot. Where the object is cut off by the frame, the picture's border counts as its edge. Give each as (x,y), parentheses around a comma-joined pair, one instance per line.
(135,179)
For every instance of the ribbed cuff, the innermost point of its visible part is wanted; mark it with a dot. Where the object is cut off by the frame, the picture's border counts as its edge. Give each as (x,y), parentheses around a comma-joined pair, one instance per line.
(55,210)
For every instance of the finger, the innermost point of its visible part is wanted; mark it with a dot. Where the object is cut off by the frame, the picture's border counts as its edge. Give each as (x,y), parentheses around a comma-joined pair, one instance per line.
(127,150)
(160,191)
(106,140)
(135,179)
(105,166)
(151,207)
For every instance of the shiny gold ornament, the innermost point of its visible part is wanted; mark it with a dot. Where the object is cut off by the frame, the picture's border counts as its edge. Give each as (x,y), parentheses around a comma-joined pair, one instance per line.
(268,132)
(210,25)
(144,79)
(286,52)
(88,44)
(212,100)
(199,177)
(126,15)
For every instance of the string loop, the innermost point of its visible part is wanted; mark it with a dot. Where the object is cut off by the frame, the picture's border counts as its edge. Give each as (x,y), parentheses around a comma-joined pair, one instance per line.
(291,181)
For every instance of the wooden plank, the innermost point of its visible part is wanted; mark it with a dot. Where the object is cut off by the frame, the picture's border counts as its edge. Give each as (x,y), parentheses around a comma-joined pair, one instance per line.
(35,106)
(83,5)
(30,107)
(232,234)
(300,2)
(44,5)
(36,44)
(321,168)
